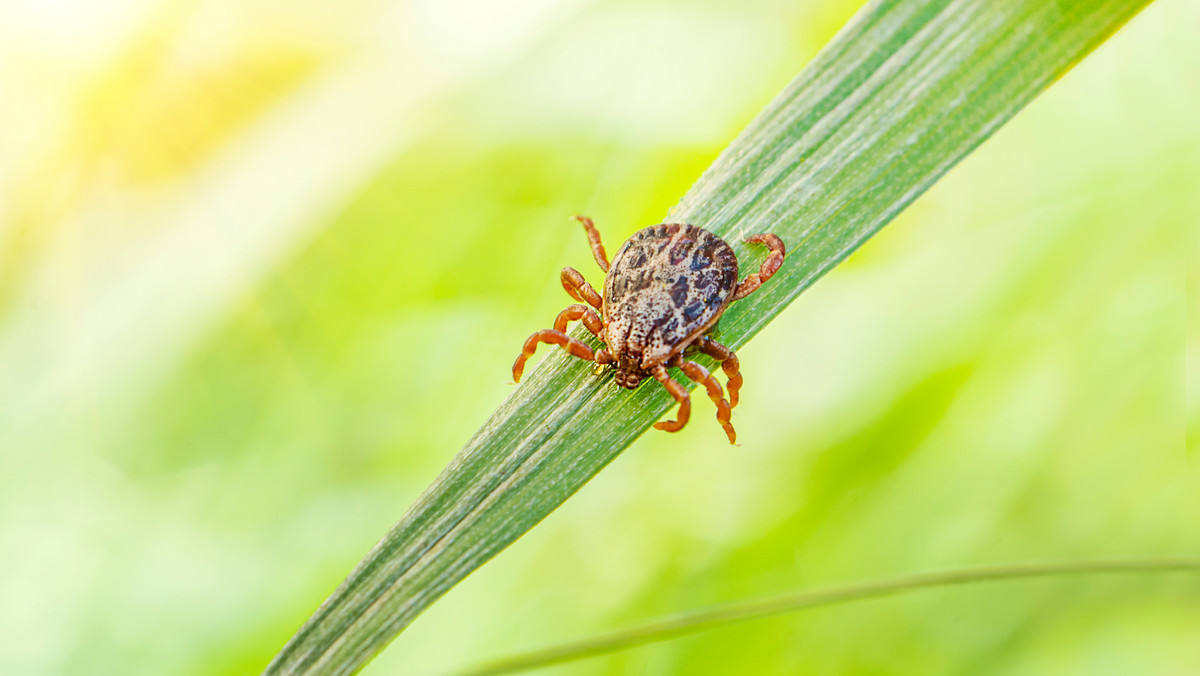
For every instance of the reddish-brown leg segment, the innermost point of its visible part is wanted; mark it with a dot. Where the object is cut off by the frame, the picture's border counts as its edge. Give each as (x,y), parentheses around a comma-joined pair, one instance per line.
(603,357)
(681,395)
(729,364)
(578,288)
(574,312)
(574,347)
(769,266)
(594,239)
(700,375)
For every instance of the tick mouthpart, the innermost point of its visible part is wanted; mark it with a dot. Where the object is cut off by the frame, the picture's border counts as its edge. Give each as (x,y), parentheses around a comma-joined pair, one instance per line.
(629,379)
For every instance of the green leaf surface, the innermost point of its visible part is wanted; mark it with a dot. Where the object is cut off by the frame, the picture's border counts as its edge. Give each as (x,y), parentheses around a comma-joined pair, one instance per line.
(904,92)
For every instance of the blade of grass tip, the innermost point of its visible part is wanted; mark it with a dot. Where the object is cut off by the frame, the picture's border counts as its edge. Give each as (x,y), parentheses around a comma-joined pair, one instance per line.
(906,90)
(690,623)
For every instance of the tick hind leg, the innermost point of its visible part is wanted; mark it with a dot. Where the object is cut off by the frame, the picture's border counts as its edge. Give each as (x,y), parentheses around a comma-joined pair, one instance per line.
(593,236)
(729,364)
(769,266)
(558,336)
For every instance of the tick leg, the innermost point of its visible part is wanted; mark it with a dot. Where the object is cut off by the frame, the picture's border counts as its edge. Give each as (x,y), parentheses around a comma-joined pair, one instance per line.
(578,288)
(590,319)
(681,396)
(769,266)
(729,364)
(700,375)
(573,346)
(594,239)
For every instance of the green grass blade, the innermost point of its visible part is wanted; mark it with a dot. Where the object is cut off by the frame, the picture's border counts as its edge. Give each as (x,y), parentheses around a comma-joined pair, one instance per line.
(712,618)
(907,89)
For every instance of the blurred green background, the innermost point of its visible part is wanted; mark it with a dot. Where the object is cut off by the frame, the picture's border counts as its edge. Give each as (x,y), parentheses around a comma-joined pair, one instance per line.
(264,267)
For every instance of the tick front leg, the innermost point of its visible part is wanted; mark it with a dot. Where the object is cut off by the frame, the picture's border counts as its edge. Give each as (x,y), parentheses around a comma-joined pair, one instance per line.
(594,239)
(769,266)
(681,396)
(729,364)
(578,288)
(700,375)
(573,346)
(574,312)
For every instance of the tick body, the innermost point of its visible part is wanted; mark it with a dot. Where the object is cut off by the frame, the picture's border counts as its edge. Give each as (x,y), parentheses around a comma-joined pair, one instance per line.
(667,286)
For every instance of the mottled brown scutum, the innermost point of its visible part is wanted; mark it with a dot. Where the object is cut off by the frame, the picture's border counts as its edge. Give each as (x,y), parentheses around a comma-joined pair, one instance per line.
(666,287)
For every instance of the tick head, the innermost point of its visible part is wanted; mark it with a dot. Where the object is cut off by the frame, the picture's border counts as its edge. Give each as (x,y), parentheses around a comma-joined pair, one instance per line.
(629,371)
(629,378)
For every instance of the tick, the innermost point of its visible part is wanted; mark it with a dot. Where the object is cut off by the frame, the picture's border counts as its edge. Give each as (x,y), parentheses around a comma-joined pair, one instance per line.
(665,289)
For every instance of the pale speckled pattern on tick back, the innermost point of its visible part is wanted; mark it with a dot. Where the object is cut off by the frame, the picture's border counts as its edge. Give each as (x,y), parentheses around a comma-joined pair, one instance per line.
(666,287)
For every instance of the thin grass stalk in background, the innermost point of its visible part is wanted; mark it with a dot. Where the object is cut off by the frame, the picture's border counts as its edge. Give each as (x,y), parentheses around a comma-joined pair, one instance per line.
(904,92)
(690,623)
